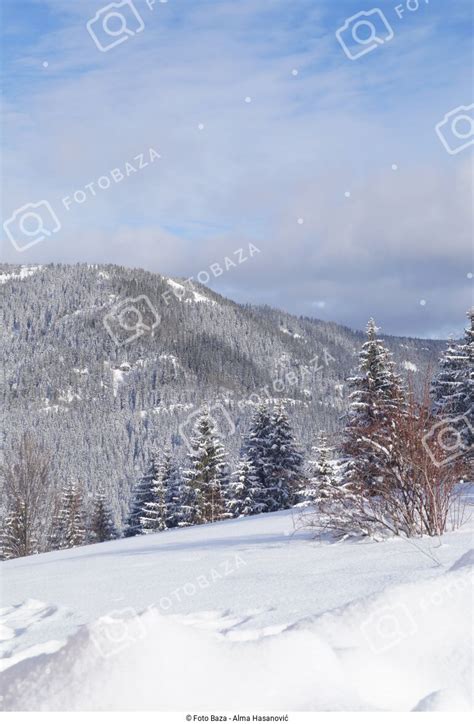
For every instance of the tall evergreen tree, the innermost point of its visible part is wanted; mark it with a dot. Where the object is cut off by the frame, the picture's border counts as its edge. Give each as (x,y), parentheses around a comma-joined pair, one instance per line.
(467,394)
(257,445)
(377,392)
(245,496)
(453,387)
(271,448)
(102,523)
(284,469)
(207,473)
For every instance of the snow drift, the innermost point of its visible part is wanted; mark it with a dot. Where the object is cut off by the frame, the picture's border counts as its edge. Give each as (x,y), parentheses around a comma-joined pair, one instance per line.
(405,646)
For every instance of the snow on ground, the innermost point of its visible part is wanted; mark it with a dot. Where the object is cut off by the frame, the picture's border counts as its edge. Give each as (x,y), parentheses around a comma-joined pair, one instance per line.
(240,615)
(181,291)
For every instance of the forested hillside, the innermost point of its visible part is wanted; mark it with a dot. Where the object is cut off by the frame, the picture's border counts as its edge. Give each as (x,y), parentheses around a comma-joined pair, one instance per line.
(99,403)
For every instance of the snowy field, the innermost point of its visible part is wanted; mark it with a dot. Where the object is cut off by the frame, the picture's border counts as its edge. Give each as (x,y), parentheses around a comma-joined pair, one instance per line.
(240,615)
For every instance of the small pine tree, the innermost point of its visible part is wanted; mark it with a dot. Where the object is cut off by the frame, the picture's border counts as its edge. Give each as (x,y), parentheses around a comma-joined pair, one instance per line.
(245,496)
(207,474)
(186,509)
(69,527)
(323,473)
(142,495)
(102,523)
(12,536)
(155,512)
(174,483)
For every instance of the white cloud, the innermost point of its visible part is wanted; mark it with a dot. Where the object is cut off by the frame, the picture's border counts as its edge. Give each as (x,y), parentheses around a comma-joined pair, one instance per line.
(255,167)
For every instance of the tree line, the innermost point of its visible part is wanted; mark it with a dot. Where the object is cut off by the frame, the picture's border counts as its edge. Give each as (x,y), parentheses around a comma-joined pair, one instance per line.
(396,469)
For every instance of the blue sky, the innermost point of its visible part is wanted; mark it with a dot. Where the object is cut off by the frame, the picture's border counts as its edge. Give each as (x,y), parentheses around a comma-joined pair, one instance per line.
(268,134)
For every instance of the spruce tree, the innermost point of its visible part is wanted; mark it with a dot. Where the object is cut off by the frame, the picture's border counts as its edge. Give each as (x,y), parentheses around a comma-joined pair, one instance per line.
(467,377)
(323,472)
(186,509)
(284,469)
(142,494)
(257,444)
(155,512)
(69,527)
(102,522)
(376,394)
(271,448)
(174,483)
(12,536)
(453,387)
(56,532)
(207,473)
(245,496)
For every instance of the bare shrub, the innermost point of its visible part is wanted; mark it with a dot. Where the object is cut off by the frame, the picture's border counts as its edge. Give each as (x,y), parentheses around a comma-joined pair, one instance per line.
(26,498)
(418,489)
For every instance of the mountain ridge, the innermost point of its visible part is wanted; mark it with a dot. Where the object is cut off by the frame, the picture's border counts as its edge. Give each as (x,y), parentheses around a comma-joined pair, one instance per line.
(109,401)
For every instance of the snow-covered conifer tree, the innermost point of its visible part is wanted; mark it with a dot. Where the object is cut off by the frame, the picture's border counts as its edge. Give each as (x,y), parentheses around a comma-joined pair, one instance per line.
(12,536)
(453,387)
(257,444)
(207,473)
(245,496)
(271,448)
(142,494)
(102,523)
(174,495)
(284,469)
(377,393)
(187,512)
(69,527)
(155,512)
(323,471)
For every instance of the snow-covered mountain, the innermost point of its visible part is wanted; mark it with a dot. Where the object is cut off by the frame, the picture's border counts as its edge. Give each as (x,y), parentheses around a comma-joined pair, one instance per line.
(240,615)
(100,391)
